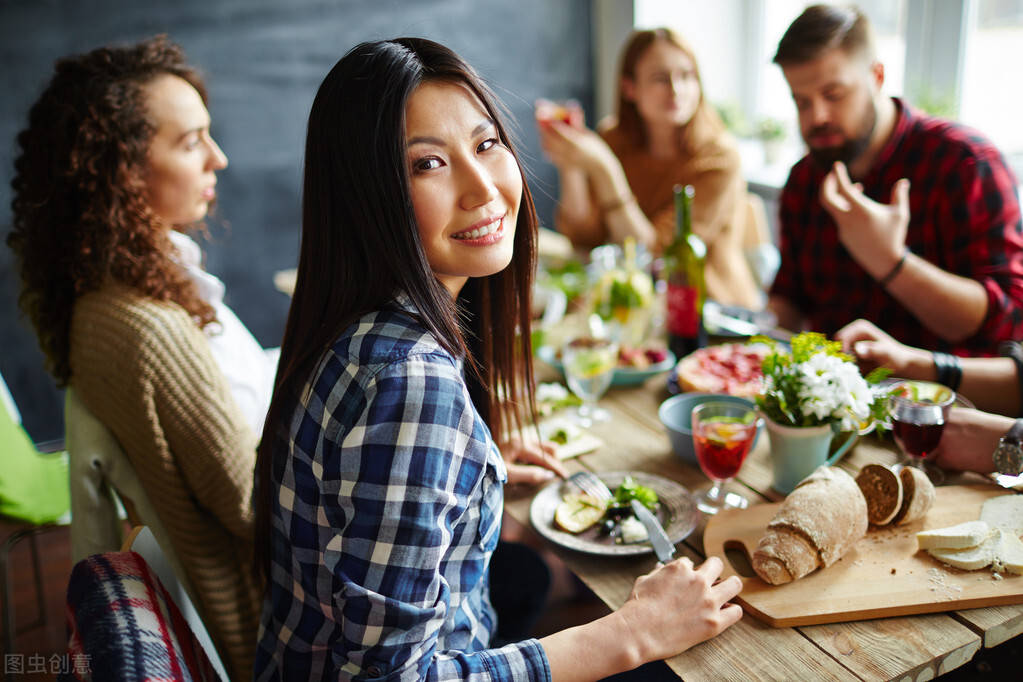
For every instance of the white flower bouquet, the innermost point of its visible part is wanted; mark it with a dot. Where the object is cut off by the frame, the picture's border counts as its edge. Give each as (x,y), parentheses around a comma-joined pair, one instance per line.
(816,383)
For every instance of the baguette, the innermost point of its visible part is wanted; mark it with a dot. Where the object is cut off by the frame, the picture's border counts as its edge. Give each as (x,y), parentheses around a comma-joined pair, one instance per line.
(821,520)
(895,497)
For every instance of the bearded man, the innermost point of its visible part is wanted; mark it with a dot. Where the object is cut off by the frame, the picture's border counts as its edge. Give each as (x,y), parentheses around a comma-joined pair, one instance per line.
(907,220)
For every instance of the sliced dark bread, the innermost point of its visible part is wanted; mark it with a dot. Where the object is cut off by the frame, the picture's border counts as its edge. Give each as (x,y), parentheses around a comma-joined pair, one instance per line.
(882,489)
(917,495)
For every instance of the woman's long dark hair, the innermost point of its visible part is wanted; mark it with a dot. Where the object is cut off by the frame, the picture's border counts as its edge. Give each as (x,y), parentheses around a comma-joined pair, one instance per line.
(361,247)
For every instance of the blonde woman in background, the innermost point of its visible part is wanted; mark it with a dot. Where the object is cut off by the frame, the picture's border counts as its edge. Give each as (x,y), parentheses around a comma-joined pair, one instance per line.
(618,182)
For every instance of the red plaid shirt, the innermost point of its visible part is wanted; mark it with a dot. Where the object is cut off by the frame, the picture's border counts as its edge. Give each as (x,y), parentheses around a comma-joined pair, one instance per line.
(964,218)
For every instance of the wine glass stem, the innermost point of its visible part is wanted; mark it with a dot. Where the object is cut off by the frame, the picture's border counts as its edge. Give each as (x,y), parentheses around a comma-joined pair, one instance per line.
(714,493)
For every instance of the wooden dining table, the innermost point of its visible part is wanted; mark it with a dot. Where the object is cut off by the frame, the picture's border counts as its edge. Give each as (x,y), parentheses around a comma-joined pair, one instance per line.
(901,647)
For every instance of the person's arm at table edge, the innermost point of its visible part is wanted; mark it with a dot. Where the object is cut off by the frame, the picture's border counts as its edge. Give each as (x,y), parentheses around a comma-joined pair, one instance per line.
(951,306)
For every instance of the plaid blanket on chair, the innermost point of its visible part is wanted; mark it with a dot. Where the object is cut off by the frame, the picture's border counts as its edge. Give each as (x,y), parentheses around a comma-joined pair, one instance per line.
(124,625)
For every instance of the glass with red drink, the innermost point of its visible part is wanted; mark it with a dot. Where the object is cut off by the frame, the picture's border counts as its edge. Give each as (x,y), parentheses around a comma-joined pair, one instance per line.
(918,411)
(723,434)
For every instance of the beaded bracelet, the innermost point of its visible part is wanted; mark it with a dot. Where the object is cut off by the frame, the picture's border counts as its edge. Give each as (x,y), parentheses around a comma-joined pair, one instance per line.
(948,369)
(886,280)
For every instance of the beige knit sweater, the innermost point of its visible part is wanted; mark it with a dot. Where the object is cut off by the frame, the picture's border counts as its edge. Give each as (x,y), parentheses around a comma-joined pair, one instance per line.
(145,370)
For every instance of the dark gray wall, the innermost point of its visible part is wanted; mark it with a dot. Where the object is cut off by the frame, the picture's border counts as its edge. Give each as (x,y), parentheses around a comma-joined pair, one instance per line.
(264,60)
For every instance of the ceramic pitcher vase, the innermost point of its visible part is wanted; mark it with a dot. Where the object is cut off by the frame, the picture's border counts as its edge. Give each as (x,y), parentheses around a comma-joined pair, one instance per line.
(797,450)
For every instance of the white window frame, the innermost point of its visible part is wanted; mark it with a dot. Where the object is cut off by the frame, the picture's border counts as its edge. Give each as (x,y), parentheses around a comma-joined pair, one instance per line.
(936,34)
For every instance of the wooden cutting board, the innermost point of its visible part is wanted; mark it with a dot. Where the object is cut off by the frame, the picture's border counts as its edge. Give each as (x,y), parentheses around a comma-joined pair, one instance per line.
(884,575)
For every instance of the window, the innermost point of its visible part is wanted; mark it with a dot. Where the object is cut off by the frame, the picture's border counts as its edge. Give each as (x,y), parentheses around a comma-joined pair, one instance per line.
(991,97)
(953,58)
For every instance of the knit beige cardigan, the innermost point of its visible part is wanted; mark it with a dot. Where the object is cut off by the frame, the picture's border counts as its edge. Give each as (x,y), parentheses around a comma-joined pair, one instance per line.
(144,368)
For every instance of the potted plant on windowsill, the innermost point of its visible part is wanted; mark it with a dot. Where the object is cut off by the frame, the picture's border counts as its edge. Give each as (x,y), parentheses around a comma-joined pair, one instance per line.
(811,394)
(771,133)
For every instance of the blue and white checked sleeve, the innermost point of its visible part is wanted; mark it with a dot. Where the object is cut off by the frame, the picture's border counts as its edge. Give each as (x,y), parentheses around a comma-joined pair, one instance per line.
(416,500)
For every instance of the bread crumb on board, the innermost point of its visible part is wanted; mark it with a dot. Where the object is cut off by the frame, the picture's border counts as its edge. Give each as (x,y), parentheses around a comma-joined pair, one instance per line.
(941,587)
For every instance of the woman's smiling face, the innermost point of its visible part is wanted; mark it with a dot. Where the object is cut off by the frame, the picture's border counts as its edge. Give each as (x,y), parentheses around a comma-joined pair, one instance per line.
(466,185)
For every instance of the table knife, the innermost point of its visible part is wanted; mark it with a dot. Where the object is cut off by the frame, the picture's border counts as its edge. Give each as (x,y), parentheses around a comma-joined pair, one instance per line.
(663,547)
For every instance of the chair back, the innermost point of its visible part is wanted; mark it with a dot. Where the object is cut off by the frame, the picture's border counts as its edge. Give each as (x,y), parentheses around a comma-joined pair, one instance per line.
(126,625)
(102,476)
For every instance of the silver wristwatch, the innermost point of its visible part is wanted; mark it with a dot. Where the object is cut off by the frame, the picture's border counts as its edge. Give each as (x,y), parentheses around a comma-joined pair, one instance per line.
(1008,456)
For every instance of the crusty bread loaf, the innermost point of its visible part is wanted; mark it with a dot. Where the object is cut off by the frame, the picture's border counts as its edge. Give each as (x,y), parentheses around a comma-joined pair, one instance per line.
(917,495)
(821,520)
(882,491)
(895,497)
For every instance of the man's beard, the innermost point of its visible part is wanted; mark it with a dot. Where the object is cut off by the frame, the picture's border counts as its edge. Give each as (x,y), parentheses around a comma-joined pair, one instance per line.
(848,151)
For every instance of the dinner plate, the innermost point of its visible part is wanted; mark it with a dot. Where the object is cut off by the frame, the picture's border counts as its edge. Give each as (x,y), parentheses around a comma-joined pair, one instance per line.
(623,376)
(677,513)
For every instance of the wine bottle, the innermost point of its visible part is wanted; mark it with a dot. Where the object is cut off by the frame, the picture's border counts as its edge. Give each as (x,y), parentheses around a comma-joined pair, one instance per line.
(683,270)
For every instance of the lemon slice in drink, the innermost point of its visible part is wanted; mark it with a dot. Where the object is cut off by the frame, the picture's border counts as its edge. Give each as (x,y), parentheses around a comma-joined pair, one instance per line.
(577,512)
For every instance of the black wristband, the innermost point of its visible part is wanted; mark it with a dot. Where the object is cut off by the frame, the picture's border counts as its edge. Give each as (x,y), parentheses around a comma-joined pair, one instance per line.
(1011,349)
(886,280)
(949,370)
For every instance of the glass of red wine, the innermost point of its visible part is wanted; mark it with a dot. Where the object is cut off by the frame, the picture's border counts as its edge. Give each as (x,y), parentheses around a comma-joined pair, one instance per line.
(918,411)
(723,434)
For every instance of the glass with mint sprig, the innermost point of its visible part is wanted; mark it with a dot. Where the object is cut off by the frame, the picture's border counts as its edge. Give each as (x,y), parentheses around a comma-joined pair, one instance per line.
(816,383)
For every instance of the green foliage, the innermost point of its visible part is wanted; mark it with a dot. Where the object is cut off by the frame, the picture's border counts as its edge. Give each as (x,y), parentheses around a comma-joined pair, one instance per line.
(769,129)
(630,490)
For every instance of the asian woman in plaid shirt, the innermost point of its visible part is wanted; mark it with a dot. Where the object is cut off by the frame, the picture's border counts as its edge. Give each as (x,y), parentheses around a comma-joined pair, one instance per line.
(379,485)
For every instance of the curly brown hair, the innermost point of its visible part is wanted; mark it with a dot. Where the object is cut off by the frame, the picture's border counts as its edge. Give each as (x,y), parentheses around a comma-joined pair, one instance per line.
(81,213)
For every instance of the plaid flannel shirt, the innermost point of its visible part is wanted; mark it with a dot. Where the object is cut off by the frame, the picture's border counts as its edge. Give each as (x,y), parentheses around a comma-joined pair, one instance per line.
(387,509)
(964,218)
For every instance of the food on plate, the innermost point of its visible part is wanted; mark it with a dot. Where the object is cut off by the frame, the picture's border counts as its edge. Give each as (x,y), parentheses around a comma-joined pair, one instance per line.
(892,497)
(578,512)
(1005,511)
(552,396)
(917,495)
(568,438)
(732,368)
(633,530)
(621,291)
(821,520)
(641,357)
(882,490)
(959,536)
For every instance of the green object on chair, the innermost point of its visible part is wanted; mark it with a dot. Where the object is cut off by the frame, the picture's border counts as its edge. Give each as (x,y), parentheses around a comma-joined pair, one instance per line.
(34,489)
(33,484)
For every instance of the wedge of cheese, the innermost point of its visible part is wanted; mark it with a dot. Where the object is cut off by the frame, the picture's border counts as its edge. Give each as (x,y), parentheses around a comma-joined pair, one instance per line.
(1009,553)
(961,536)
(970,558)
(1005,512)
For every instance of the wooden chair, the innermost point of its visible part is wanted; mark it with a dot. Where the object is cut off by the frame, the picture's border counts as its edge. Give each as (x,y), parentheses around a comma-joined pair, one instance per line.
(103,481)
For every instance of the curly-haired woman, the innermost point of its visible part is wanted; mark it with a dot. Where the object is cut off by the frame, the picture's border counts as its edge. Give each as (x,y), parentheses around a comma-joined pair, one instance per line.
(116,161)
(618,182)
